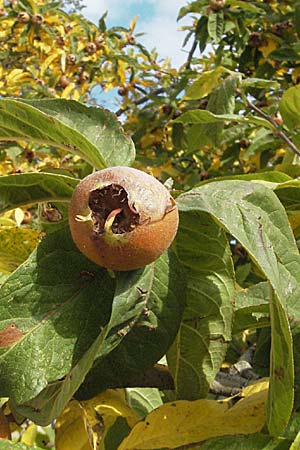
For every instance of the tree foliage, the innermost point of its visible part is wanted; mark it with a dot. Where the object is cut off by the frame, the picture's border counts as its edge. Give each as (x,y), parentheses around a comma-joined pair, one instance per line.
(105,357)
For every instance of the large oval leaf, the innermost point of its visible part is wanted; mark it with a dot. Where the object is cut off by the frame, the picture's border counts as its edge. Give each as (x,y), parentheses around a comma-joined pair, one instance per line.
(52,309)
(201,344)
(92,133)
(255,217)
(147,312)
(29,188)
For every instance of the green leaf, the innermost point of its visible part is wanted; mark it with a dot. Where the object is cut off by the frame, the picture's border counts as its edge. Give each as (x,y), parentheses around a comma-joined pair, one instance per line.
(297,19)
(51,401)
(215,25)
(262,140)
(281,394)
(289,194)
(274,178)
(16,244)
(92,133)
(251,308)
(204,84)
(254,216)
(49,316)
(201,344)
(257,441)
(29,188)
(143,400)
(289,107)
(9,445)
(206,117)
(245,6)
(259,83)
(147,311)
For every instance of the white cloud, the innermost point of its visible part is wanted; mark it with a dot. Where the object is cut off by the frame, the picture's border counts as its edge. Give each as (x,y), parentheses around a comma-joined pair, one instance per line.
(160,27)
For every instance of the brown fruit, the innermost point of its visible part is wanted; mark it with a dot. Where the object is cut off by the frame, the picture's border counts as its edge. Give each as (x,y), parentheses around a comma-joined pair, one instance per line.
(122,218)
(91,48)
(37,19)
(216,5)
(71,59)
(64,81)
(123,91)
(23,17)
(68,27)
(60,40)
(131,40)
(84,76)
(27,217)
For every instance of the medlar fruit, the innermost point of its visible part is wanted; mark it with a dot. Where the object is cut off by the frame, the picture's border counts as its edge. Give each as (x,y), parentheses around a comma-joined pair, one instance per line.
(122,218)
(216,5)
(64,81)
(71,59)
(37,19)
(23,17)
(84,76)
(91,48)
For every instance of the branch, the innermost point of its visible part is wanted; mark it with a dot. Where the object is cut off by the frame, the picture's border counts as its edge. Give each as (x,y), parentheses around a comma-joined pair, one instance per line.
(191,54)
(142,100)
(279,133)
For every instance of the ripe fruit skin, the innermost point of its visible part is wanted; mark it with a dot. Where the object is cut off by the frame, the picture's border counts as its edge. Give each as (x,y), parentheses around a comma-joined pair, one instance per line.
(37,19)
(216,5)
(123,237)
(23,17)
(64,81)
(84,76)
(91,48)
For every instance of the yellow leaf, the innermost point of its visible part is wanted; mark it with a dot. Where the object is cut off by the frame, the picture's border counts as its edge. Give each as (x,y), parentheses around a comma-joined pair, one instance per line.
(70,431)
(34,6)
(269,47)
(29,435)
(121,72)
(16,244)
(67,91)
(185,422)
(133,23)
(48,61)
(84,425)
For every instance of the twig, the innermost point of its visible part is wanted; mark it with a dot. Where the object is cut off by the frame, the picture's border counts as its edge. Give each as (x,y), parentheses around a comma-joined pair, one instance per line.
(191,54)
(279,133)
(142,100)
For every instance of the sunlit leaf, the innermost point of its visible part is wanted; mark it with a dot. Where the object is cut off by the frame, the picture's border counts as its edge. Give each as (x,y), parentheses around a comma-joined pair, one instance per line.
(182,423)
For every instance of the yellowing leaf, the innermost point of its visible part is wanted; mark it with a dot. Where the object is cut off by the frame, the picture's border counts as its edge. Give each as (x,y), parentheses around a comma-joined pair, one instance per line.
(67,91)
(122,72)
(183,422)
(29,435)
(70,430)
(133,23)
(269,47)
(85,425)
(48,61)
(16,244)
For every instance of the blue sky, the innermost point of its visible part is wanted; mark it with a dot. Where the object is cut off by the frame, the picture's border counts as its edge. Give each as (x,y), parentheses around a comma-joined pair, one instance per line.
(157,19)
